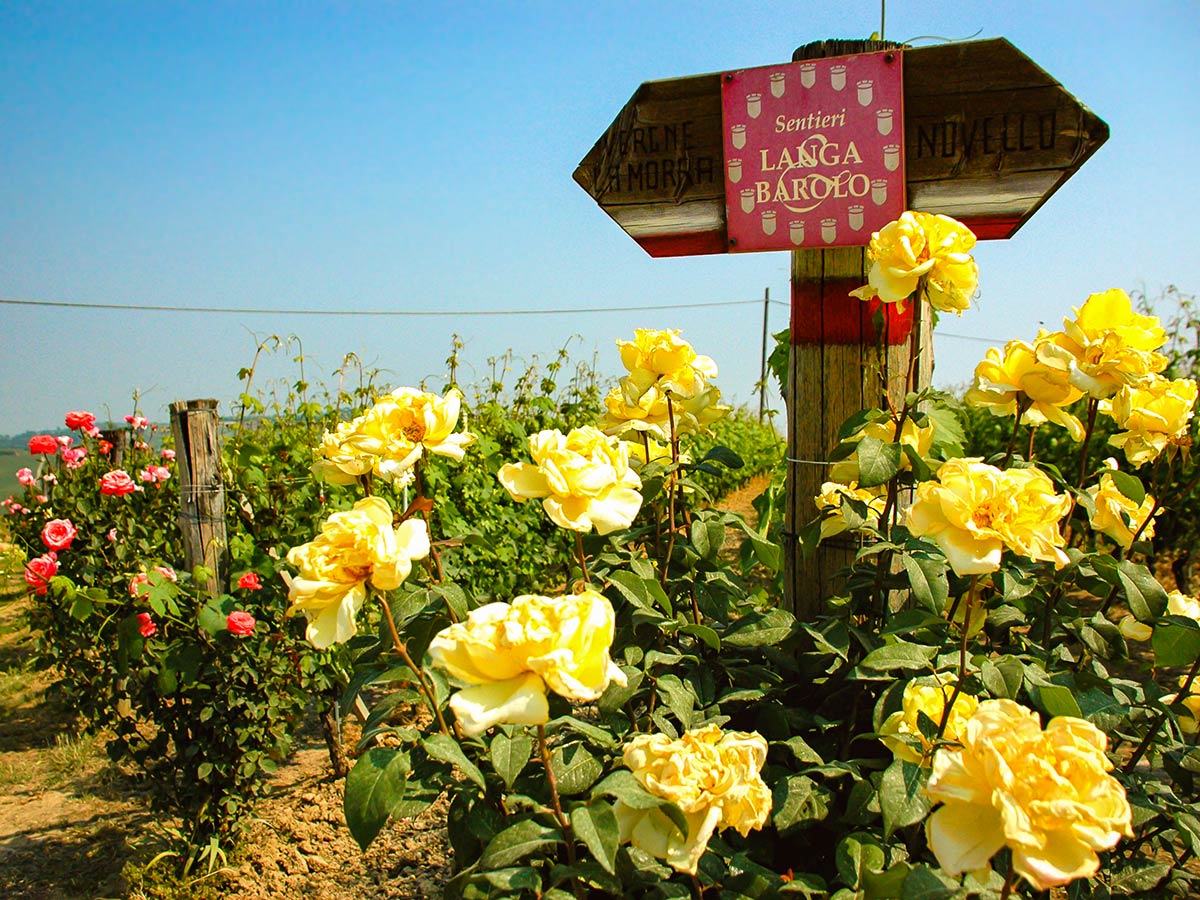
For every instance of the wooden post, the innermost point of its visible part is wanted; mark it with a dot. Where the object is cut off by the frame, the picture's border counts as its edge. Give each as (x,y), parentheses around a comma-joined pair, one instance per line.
(201,491)
(838,365)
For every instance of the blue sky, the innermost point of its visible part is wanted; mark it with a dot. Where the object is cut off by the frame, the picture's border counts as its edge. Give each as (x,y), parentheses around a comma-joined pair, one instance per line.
(381,156)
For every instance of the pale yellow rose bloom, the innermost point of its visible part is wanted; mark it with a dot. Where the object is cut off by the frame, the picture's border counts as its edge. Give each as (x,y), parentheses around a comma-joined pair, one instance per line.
(355,546)
(1046,795)
(829,505)
(1107,345)
(389,438)
(508,655)
(1116,515)
(922,245)
(654,413)
(1155,414)
(918,437)
(714,777)
(974,510)
(1189,718)
(661,358)
(583,479)
(928,696)
(1004,380)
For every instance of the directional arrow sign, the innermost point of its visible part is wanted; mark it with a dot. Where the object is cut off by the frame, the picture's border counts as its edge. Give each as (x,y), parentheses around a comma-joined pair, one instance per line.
(988,137)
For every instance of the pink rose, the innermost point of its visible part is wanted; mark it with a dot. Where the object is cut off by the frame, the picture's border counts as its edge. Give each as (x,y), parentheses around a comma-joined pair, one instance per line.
(162,473)
(146,626)
(240,623)
(146,475)
(141,578)
(41,498)
(25,477)
(250,582)
(168,454)
(117,483)
(58,534)
(80,420)
(167,572)
(65,440)
(50,478)
(39,571)
(137,421)
(42,443)
(112,535)
(105,447)
(74,458)
(92,432)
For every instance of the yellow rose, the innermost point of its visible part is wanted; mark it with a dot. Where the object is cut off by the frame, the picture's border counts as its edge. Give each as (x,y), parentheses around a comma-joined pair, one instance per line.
(663,359)
(1016,377)
(1107,345)
(507,655)
(1116,515)
(922,245)
(654,414)
(1155,414)
(829,505)
(1178,604)
(928,696)
(974,510)
(1046,795)
(583,479)
(391,436)
(918,437)
(1189,717)
(355,546)
(712,776)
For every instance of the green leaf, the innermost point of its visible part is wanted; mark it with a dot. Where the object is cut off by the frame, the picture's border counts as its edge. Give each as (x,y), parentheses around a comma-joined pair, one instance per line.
(1140,875)
(596,825)
(678,698)
(760,629)
(575,769)
(517,842)
(798,801)
(81,608)
(455,597)
(1147,599)
(445,748)
(898,656)
(211,619)
(927,576)
(725,456)
(644,592)
(515,880)
(858,854)
(1129,485)
(802,751)
(708,538)
(704,633)
(924,883)
(1003,678)
(1057,700)
(902,798)
(373,789)
(878,462)
(625,787)
(1176,641)
(509,755)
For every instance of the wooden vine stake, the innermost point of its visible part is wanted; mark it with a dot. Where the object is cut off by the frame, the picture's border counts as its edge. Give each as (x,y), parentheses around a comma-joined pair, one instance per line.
(201,491)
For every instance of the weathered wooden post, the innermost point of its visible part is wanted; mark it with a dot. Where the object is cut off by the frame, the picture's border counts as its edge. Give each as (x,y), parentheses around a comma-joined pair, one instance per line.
(195,425)
(781,158)
(117,437)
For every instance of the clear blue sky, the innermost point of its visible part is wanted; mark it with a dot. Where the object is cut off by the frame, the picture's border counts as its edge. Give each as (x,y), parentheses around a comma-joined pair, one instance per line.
(359,155)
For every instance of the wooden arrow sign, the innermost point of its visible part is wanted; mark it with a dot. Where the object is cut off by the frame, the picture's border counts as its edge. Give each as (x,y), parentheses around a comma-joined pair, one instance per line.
(988,137)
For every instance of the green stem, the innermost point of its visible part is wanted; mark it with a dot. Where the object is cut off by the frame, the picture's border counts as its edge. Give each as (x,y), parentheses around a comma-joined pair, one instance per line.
(1093,408)
(962,658)
(582,557)
(563,822)
(1009,880)
(422,681)
(1022,405)
(1184,691)
(671,492)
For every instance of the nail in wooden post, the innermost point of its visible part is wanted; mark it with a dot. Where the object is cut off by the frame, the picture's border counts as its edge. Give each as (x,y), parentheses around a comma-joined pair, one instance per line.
(195,425)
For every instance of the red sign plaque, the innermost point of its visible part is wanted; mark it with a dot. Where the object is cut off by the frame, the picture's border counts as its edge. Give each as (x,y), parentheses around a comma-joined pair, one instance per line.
(814,151)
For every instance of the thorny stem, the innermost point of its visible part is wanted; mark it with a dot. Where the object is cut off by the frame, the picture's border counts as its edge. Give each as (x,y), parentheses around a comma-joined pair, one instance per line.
(962,658)
(426,690)
(1048,617)
(1093,408)
(1184,691)
(671,492)
(697,887)
(1009,880)
(563,822)
(1022,405)
(582,557)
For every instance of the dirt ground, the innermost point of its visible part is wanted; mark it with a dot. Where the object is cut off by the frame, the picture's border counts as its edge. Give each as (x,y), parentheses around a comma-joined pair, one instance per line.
(70,821)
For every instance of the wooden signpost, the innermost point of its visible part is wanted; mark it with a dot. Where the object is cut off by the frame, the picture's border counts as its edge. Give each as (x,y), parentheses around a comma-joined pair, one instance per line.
(974,130)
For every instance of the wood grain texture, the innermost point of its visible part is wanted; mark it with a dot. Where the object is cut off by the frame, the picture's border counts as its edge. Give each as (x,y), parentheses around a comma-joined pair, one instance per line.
(195,424)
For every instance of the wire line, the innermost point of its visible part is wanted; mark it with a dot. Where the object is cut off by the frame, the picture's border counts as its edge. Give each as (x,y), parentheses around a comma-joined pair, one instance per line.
(369,312)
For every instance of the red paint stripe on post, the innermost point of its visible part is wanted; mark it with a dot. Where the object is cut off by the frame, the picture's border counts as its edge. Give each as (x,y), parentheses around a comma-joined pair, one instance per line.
(691,244)
(827,314)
